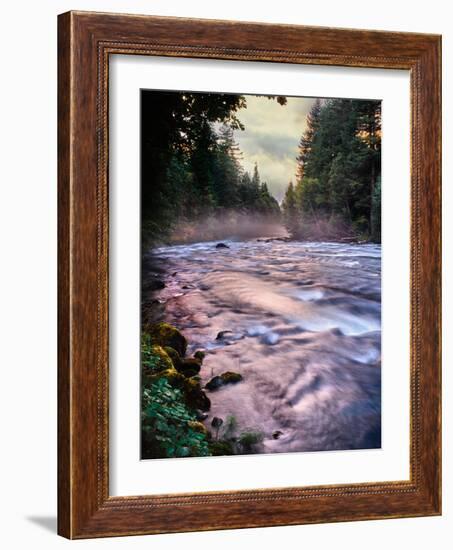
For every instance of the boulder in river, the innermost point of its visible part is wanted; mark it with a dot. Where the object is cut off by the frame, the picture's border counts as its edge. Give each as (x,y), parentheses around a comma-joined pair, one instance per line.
(221,245)
(226,378)
(189,367)
(166,335)
(231,377)
(221,335)
(214,383)
(200,355)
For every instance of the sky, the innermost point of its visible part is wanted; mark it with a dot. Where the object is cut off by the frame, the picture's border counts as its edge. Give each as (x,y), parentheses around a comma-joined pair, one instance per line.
(271,138)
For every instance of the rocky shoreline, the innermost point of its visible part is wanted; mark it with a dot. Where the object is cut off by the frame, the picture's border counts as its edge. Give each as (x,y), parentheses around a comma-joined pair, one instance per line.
(175,404)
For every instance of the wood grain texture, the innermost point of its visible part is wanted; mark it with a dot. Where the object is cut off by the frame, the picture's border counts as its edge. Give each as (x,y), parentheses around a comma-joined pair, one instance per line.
(64,367)
(86,40)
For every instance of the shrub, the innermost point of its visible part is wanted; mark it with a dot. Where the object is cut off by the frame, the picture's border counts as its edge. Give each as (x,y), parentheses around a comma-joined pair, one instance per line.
(168,428)
(248,440)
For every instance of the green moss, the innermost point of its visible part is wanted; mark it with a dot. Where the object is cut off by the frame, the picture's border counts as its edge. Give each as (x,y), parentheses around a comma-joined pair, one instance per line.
(189,367)
(195,396)
(166,335)
(154,359)
(174,355)
(175,378)
(191,384)
(157,363)
(198,427)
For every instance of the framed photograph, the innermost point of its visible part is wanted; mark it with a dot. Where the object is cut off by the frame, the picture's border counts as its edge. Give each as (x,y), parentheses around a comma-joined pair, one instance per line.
(249,275)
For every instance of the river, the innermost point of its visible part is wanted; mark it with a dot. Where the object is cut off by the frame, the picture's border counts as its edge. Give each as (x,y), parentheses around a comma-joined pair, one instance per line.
(305,322)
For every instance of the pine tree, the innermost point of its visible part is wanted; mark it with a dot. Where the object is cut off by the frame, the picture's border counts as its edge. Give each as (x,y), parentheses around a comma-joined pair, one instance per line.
(306,141)
(290,211)
(256,181)
(228,170)
(203,167)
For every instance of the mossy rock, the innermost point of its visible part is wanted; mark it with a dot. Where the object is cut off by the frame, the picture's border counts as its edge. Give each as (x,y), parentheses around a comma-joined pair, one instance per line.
(198,427)
(192,384)
(189,367)
(231,377)
(174,356)
(200,355)
(166,335)
(155,360)
(224,379)
(220,448)
(215,383)
(195,396)
(175,378)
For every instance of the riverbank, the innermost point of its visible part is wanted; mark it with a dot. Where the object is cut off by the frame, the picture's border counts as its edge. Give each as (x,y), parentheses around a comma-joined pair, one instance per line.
(175,404)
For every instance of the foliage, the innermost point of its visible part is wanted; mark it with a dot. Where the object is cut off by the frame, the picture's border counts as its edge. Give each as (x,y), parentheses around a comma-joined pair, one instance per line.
(248,440)
(376,212)
(190,163)
(306,141)
(168,427)
(338,171)
(221,448)
(154,358)
(290,210)
(228,442)
(230,427)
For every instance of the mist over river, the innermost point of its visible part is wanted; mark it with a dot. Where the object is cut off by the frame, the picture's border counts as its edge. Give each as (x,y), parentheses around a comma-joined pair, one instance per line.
(304,331)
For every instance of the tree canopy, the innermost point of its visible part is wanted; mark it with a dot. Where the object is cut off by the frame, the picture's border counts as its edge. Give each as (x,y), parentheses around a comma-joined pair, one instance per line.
(191,165)
(338,171)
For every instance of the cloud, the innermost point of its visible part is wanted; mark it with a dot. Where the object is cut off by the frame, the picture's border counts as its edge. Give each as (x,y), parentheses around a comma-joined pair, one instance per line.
(275,145)
(271,137)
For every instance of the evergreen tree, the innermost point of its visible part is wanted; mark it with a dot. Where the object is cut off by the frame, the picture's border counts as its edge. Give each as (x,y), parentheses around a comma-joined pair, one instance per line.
(255,184)
(228,169)
(306,141)
(202,165)
(339,164)
(290,212)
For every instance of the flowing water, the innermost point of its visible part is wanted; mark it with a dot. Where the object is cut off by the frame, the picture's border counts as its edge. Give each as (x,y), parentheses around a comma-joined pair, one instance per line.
(305,334)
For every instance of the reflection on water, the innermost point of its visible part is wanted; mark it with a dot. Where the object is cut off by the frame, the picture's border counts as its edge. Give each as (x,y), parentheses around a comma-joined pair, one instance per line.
(305,335)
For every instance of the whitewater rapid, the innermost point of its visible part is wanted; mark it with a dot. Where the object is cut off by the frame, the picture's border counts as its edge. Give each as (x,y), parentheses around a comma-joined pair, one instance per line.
(305,322)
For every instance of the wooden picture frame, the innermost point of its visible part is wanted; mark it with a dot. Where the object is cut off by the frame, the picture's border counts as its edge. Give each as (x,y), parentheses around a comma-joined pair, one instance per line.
(85,41)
